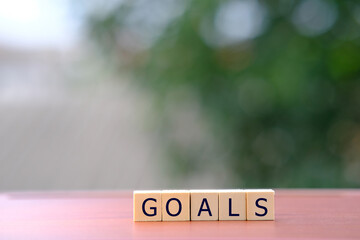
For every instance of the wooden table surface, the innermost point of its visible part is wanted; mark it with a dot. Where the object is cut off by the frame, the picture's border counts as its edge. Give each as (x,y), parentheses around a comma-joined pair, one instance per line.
(300,214)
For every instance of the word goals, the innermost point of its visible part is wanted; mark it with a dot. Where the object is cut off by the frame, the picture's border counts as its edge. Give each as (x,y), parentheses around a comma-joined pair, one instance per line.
(199,205)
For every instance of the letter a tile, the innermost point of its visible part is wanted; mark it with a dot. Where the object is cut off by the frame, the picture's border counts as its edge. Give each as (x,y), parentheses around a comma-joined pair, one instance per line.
(204,205)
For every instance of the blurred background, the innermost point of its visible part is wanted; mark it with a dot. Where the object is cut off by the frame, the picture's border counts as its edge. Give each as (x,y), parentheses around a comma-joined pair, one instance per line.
(179,94)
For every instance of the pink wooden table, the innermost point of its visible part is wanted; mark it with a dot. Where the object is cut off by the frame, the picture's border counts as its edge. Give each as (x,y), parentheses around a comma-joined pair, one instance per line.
(300,214)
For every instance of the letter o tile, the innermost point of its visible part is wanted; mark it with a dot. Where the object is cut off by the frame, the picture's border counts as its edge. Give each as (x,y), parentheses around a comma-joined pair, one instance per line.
(175,205)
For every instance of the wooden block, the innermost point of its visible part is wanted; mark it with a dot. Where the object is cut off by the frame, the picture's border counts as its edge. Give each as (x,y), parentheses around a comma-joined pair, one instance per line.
(232,204)
(175,205)
(147,206)
(260,204)
(204,205)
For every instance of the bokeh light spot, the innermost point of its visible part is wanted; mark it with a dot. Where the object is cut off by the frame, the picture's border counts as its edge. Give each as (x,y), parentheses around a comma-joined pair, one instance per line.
(314,17)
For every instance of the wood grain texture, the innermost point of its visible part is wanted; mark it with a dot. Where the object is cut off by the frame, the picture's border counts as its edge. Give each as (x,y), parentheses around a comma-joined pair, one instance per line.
(300,214)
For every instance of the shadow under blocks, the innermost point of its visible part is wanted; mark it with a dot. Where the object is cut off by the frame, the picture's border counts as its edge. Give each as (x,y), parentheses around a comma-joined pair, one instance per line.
(204,205)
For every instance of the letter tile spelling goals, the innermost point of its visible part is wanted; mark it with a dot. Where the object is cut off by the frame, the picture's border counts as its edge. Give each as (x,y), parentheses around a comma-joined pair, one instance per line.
(204,205)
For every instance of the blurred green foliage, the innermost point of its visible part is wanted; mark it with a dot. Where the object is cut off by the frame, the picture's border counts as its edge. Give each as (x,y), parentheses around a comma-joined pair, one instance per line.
(282,99)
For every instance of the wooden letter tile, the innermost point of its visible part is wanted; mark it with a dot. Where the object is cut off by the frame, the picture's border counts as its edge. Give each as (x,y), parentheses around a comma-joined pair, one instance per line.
(147,206)
(232,204)
(175,205)
(204,205)
(260,204)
